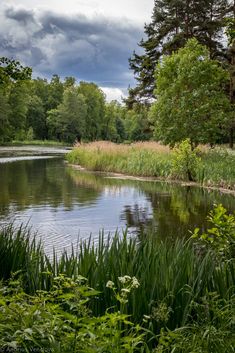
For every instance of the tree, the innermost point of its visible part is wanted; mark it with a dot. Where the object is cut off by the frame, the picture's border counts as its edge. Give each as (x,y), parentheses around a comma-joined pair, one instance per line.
(231,59)
(37,108)
(95,101)
(67,122)
(4,115)
(112,126)
(173,23)
(55,93)
(12,70)
(18,102)
(36,117)
(13,101)
(191,101)
(137,123)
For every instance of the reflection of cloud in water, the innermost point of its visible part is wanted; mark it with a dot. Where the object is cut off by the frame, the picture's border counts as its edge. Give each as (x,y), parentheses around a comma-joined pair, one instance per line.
(62,204)
(23,158)
(64,227)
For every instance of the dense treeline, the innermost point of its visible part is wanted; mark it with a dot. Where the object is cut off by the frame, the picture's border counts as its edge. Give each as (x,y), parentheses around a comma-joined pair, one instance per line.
(63,110)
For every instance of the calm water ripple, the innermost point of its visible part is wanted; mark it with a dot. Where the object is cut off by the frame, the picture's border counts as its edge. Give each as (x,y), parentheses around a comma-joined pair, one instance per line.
(63,204)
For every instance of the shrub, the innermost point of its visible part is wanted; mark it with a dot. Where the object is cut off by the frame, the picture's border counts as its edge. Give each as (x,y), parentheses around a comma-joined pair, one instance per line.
(185,161)
(221,236)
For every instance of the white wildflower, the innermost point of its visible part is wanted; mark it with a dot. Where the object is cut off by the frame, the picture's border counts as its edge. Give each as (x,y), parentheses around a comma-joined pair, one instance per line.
(135,282)
(124,279)
(109,284)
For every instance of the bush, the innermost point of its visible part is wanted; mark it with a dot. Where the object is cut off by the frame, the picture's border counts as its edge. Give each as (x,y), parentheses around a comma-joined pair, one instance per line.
(185,161)
(221,236)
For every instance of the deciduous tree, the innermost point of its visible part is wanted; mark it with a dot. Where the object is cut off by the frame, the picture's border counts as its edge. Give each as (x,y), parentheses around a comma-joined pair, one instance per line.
(191,101)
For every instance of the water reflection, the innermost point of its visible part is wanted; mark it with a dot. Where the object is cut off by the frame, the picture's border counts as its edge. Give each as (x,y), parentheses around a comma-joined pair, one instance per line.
(172,209)
(62,202)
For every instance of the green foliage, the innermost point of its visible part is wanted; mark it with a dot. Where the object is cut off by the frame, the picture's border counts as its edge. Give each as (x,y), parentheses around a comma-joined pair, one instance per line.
(221,237)
(19,251)
(172,24)
(214,167)
(60,321)
(230,29)
(4,115)
(113,123)
(186,161)
(183,297)
(191,102)
(30,134)
(12,70)
(95,101)
(137,123)
(18,102)
(218,168)
(13,98)
(36,117)
(66,123)
(55,91)
(212,332)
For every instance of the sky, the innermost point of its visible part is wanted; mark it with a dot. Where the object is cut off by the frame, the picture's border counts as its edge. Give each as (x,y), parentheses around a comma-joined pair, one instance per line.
(88,39)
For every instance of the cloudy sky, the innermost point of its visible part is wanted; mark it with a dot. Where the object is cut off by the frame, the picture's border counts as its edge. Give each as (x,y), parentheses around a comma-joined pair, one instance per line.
(88,39)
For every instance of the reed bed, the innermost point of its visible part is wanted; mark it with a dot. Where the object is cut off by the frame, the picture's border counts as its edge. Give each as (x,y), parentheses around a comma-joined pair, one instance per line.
(114,147)
(140,159)
(151,159)
(172,276)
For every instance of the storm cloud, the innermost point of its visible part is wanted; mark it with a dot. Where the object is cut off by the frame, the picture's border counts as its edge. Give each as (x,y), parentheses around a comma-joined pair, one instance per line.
(89,48)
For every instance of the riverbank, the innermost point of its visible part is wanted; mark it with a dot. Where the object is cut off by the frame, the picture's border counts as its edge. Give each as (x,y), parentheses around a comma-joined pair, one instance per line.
(215,170)
(38,143)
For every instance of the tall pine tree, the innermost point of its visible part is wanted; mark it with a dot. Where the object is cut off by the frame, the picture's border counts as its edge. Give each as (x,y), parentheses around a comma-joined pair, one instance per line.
(173,23)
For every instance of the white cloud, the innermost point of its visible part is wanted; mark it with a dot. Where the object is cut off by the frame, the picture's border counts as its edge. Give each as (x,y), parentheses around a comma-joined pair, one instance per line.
(88,39)
(113,94)
(139,10)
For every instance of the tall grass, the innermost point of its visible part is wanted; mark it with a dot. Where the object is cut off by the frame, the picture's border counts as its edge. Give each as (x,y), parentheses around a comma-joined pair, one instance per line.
(19,251)
(172,275)
(140,159)
(150,159)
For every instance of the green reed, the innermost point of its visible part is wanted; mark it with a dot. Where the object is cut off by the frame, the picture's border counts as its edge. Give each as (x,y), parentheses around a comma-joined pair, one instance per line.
(172,275)
(217,166)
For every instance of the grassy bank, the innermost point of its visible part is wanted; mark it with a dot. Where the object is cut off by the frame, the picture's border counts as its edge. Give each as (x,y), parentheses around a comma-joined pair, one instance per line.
(215,168)
(37,143)
(182,301)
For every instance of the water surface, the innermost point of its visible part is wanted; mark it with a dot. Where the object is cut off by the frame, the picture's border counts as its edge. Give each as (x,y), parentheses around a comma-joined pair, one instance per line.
(62,203)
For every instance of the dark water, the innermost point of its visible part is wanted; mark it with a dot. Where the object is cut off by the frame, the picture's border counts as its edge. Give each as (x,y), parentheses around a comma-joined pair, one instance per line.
(62,203)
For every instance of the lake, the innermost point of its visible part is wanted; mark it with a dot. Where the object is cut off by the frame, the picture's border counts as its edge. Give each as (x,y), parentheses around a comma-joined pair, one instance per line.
(63,204)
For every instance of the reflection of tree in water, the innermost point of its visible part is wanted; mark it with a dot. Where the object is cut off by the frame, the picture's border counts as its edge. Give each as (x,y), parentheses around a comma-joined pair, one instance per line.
(175,209)
(178,209)
(136,216)
(40,182)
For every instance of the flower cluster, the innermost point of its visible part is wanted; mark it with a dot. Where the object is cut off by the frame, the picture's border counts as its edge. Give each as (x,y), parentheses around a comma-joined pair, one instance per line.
(128,283)
(132,282)
(110,284)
